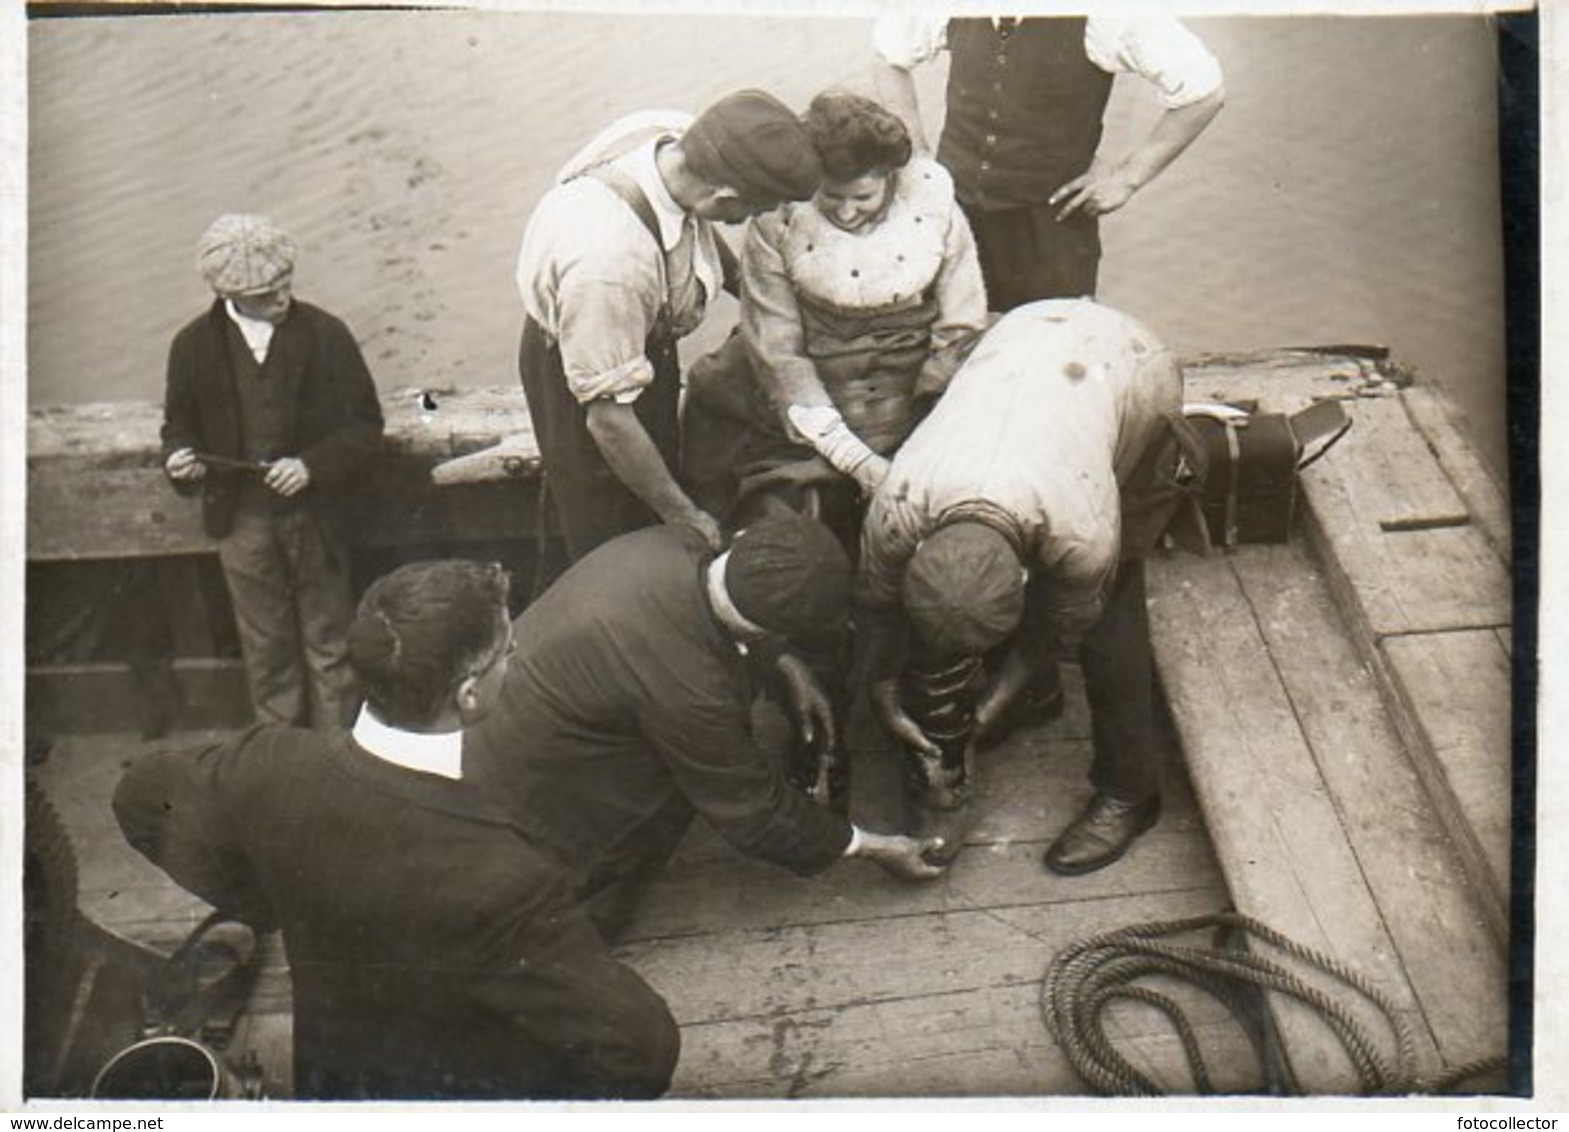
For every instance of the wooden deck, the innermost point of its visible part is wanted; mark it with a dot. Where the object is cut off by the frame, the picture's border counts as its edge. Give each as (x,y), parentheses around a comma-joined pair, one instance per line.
(849,984)
(1342,705)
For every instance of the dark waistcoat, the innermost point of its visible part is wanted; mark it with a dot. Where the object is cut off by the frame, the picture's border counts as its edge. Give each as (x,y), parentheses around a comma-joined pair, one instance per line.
(1024,110)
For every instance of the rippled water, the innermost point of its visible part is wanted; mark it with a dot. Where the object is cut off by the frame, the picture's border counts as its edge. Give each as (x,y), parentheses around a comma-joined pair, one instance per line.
(1346,194)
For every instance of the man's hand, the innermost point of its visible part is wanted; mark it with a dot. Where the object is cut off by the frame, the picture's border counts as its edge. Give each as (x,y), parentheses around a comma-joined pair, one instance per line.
(183,465)
(1093,193)
(871,472)
(900,856)
(288,476)
(885,703)
(814,715)
(705,525)
(1001,691)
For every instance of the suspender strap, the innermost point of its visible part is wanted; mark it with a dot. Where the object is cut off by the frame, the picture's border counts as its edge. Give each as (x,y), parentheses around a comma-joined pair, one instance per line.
(629,191)
(632,195)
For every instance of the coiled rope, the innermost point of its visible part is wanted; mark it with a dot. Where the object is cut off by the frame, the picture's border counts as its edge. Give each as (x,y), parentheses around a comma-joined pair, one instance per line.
(1084,978)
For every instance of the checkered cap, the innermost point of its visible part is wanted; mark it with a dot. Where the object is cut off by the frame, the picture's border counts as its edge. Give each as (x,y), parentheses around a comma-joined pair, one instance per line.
(244,254)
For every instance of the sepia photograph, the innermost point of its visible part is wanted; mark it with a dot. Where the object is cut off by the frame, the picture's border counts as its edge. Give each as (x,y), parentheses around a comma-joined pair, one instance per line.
(582,552)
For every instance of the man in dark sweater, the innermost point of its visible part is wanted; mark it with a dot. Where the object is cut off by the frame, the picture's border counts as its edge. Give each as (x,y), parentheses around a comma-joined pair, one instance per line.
(435,951)
(269,410)
(627,708)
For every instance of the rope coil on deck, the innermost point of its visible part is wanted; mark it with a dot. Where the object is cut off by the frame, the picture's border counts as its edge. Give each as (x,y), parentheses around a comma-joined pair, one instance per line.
(1085,977)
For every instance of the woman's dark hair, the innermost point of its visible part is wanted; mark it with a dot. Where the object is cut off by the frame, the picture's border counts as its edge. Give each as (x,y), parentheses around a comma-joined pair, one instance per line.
(854,135)
(420,630)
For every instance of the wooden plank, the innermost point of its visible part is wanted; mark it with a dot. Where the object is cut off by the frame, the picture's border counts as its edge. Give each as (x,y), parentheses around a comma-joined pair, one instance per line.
(108,513)
(984,1043)
(1453,962)
(125,433)
(1027,790)
(100,697)
(818,966)
(1285,379)
(76,513)
(1485,496)
(1274,823)
(1393,477)
(1406,581)
(1454,697)
(695,897)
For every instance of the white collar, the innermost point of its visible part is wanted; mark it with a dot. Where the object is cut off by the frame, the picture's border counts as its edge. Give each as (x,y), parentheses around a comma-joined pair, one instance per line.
(257,332)
(642,168)
(440,754)
(724,608)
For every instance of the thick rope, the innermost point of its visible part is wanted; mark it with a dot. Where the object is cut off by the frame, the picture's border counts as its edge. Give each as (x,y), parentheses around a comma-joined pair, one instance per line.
(1086,976)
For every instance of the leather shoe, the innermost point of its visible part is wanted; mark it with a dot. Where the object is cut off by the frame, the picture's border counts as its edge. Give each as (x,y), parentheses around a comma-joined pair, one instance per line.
(1101,834)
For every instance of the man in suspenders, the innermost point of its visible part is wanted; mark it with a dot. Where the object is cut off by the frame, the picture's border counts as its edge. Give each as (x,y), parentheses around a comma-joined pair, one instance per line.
(618,262)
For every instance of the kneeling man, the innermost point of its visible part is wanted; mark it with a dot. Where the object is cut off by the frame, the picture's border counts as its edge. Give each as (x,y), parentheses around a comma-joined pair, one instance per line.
(627,708)
(435,952)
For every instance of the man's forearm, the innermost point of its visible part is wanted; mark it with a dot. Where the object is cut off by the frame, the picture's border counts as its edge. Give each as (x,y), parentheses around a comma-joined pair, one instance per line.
(1173,132)
(895,89)
(636,462)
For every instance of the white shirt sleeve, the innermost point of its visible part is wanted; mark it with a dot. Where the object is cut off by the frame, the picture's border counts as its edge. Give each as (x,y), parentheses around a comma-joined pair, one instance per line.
(1156,48)
(907,39)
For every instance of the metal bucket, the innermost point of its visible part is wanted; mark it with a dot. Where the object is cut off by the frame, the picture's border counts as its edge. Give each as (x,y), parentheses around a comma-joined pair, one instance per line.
(168,1068)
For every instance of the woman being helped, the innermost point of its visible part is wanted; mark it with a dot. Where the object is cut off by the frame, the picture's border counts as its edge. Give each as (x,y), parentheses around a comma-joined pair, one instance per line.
(856,308)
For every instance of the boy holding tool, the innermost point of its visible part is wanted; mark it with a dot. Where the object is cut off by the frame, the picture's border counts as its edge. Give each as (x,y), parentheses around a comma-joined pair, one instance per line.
(269,410)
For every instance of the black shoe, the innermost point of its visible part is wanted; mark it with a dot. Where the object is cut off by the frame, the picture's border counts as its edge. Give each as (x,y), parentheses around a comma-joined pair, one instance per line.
(1101,834)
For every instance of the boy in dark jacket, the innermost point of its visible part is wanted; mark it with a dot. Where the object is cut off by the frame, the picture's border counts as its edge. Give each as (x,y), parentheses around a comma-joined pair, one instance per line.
(269,409)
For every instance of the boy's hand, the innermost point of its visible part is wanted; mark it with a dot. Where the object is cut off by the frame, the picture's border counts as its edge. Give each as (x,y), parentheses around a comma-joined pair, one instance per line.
(183,465)
(288,476)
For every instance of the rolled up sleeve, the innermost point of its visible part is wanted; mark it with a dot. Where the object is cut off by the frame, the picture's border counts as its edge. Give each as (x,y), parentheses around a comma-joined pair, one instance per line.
(589,275)
(603,330)
(1158,49)
(906,40)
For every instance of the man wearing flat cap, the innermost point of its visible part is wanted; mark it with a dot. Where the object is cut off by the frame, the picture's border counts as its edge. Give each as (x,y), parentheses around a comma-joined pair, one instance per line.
(627,708)
(1012,527)
(618,263)
(269,411)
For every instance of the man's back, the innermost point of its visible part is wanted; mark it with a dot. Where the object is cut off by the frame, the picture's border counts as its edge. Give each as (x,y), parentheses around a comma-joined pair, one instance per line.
(619,657)
(424,935)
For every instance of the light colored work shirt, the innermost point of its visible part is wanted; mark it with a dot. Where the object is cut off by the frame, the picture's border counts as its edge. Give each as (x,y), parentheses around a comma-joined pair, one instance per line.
(1041,427)
(1156,48)
(590,275)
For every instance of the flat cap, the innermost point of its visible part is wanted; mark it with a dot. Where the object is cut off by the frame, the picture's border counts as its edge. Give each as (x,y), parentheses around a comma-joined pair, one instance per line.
(753,143)
(964,589)
(244,254)
(789,575)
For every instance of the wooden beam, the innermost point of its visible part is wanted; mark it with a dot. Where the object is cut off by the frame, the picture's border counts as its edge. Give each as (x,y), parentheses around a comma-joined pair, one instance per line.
(84,698)
(1452,699)
(1274,821)
(1485,496)
(1398,581)
(1425,896)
